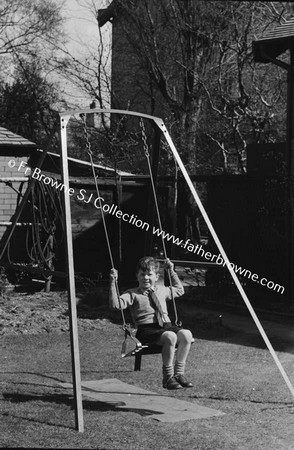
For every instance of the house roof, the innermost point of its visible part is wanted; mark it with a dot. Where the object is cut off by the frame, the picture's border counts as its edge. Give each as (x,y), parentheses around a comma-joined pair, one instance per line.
(274,42)
(12,140)
(105,15)
(77,167)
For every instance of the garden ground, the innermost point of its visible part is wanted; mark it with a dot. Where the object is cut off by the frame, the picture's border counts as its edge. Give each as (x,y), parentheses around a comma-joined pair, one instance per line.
(232,371)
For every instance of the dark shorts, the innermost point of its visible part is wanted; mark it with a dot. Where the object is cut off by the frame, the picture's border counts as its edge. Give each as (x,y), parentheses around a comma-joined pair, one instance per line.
(151,332)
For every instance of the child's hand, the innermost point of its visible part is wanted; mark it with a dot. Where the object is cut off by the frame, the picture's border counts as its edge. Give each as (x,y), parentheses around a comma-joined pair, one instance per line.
(113,275)
(168,264)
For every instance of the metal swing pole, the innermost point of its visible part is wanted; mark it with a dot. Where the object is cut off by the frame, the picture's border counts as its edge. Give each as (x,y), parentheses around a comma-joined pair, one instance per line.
(75,354)
(223,254)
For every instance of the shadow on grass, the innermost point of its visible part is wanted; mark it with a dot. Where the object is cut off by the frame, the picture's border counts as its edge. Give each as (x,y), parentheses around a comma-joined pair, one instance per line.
(67,400)
(60,399)
(227,398)
(28,419)
(228,335)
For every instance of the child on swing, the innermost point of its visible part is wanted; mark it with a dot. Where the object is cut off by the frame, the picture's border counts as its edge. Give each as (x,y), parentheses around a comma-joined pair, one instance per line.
(147,304)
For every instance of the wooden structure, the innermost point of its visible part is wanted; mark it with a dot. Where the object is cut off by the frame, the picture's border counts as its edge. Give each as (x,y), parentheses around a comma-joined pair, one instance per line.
(267,50)
(15,152)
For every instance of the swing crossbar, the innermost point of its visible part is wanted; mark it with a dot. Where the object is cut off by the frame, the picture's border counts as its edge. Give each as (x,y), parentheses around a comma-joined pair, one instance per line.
(179,262)
(75,113)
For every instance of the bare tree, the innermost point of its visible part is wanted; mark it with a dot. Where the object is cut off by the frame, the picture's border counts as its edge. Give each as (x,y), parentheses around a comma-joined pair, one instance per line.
(26,25)
(247,102)
(195,61)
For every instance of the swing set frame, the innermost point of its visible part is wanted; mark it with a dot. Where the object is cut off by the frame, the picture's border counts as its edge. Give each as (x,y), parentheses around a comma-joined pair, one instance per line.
(76,373)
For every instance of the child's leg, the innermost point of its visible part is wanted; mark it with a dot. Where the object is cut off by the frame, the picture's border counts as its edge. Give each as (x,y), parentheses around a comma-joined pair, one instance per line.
(184,339)
(168,341)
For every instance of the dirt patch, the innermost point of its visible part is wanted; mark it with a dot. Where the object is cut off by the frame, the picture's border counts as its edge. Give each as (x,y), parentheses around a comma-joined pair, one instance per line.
(40,312)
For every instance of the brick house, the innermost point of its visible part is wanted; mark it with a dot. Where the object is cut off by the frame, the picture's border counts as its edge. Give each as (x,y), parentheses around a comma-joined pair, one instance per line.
(15,152)
(131,86)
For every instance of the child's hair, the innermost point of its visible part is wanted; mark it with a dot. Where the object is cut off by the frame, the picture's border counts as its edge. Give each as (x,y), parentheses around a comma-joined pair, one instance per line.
(148,263)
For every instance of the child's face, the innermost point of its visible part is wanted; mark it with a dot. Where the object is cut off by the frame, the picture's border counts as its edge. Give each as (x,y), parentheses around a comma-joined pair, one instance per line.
(147,279)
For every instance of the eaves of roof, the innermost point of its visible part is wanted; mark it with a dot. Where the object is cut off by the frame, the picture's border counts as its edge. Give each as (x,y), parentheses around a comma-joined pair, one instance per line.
(9,140)
(106,15)
(88,164)
(274,42)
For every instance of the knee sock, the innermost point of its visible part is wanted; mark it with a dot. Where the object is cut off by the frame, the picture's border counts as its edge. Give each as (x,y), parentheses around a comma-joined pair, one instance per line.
(179,368)
(167,372)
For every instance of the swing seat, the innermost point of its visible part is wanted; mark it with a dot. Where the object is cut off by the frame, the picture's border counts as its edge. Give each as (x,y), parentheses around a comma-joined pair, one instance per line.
(151,349)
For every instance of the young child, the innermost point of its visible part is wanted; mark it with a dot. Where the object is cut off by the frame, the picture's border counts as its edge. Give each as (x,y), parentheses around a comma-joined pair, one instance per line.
(149,313)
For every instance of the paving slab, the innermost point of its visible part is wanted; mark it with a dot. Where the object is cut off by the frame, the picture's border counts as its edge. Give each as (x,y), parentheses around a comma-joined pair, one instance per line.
(132,398)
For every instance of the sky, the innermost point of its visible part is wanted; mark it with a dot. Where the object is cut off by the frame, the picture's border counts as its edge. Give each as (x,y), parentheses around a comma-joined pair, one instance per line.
(81,24)
(82,29)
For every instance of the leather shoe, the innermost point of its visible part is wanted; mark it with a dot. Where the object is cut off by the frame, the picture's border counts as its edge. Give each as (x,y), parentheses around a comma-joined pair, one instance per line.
(182,380)
(171,384)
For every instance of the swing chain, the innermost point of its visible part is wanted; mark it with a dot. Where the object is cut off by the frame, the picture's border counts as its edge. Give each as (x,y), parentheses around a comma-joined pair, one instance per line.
(144,138)
(86,134)
(125,326)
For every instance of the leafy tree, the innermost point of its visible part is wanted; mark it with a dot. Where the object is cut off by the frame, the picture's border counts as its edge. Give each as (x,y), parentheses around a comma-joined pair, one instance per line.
(29,33)
(27,104)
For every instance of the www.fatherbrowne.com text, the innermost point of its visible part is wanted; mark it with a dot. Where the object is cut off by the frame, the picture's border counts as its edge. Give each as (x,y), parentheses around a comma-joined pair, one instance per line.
(99,203)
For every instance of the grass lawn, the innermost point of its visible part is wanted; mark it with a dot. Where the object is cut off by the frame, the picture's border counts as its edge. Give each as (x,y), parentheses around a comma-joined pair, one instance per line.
(232,372)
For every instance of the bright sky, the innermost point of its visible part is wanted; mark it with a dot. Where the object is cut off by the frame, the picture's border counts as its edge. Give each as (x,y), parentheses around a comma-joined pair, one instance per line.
(82,28)
(81,24)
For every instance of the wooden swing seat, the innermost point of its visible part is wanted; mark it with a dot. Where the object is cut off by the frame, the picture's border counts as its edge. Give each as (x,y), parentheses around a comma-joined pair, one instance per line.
(152,349)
